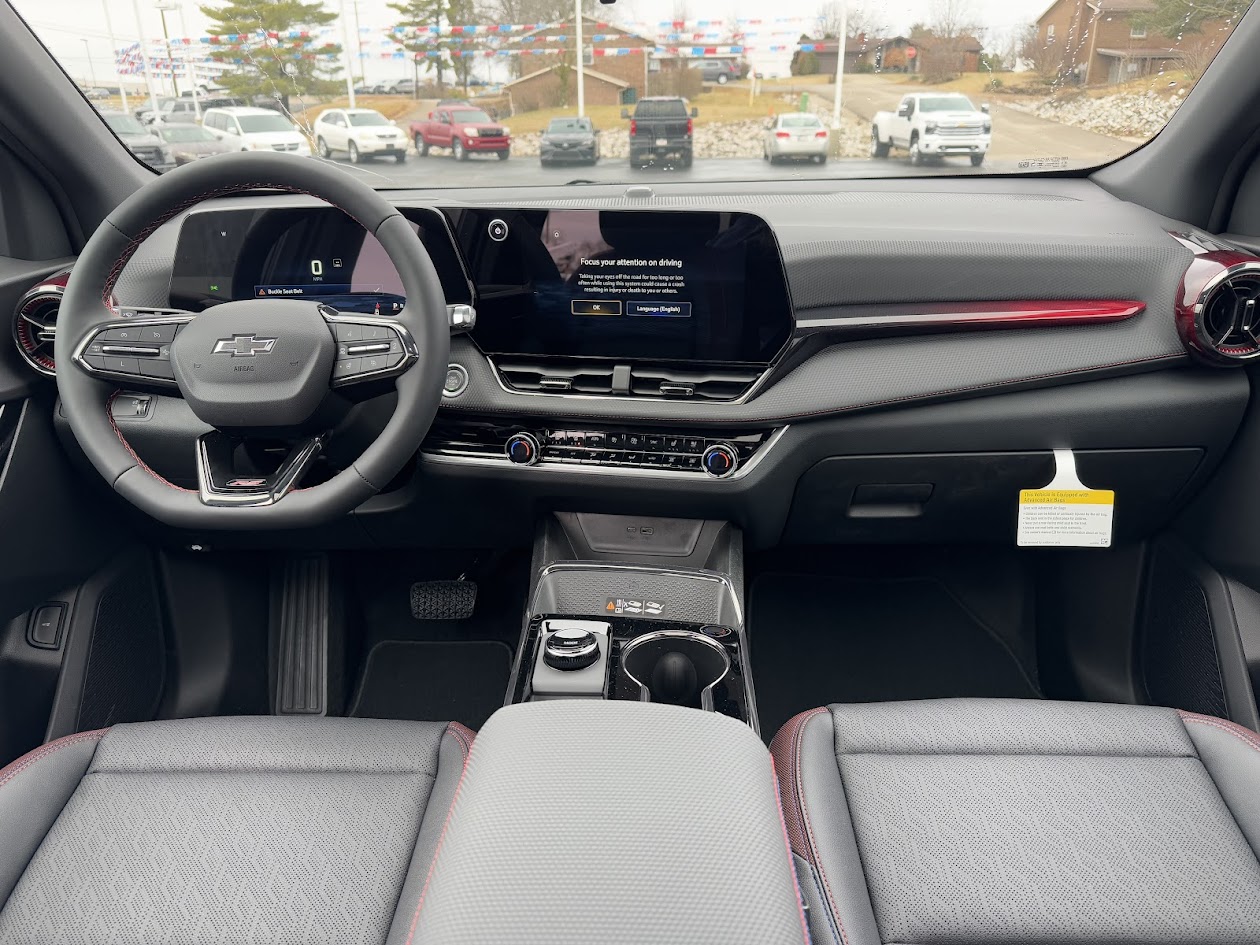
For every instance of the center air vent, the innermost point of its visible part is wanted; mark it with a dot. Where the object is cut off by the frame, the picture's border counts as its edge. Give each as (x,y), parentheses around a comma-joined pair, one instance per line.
(1223,326)
(644,380)
(35,326)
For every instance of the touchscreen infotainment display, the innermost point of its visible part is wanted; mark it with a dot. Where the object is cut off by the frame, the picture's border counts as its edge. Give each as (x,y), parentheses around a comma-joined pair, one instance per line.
(627,285)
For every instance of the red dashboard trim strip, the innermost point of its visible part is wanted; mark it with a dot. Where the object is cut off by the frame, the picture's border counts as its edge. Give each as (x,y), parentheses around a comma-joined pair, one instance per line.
(958,316)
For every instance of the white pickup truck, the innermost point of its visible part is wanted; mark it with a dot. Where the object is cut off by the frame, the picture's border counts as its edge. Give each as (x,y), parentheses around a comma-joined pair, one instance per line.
(927,123)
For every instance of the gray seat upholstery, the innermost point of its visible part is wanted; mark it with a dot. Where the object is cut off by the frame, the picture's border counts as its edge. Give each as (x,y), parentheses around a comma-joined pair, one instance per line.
(226,831)
(985,821)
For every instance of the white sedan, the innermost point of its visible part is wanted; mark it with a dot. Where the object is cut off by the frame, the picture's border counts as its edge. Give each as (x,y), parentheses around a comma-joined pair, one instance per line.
(359,133)
(796,135)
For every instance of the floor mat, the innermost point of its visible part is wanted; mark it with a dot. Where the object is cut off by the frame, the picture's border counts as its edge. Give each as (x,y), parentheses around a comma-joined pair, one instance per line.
(434,681)
(817,640)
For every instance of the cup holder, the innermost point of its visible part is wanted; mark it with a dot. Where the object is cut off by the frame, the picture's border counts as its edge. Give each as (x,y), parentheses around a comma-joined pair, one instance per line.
(677,667)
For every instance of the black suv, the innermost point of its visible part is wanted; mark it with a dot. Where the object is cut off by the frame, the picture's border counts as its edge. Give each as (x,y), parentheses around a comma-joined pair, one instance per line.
(661,128)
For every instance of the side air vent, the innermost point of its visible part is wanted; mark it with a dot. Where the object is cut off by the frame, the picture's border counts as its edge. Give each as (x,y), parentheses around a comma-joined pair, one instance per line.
(647,380)
(1222,324)
(683,384)
(35,326)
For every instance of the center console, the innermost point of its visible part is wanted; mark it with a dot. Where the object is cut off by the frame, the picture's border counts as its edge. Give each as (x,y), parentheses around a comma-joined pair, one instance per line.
(633,609)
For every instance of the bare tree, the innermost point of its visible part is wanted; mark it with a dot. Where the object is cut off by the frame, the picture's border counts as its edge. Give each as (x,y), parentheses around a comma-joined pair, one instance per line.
(861,20)
(1045,56)
(950,19)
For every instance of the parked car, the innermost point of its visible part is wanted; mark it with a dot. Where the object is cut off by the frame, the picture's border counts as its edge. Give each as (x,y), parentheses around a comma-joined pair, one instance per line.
(661,129)
(97,93)
(190,143)
(360,133)
(569,140)
(796,135)
(720,71)
(145,112)
(256,129)
(933,124)
(403,87)
(141,141)
(464,130)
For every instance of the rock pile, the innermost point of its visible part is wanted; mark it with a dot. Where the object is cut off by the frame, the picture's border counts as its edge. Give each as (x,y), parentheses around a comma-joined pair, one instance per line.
(1125,115)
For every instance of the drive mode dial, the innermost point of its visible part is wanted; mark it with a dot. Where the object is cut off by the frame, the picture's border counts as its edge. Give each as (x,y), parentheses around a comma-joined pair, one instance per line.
(523,449)
(719,460)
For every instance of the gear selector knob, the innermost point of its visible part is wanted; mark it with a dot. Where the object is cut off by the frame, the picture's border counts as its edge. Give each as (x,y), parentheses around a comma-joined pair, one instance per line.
(571,648)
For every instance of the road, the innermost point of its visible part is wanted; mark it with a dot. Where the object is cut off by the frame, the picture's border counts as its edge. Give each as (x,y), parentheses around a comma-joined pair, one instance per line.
(1017,135)
(480,171)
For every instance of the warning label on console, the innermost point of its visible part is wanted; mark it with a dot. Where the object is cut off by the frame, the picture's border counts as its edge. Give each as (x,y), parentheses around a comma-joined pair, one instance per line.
(658,278)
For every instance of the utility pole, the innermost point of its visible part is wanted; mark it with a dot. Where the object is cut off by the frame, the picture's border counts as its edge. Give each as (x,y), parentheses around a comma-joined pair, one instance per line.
(144,60)
(189,68)
(345,38)
(581,68)
(840,44)
(360,62)
(113,53)
(166,37)
(91,67)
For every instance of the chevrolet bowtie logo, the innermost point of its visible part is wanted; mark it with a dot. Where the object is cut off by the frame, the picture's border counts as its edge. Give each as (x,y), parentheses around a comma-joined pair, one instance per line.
(244,346)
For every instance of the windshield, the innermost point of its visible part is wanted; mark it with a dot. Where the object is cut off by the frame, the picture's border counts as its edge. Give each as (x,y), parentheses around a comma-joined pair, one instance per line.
(126,125)
(253,123)
(367,119)
(946,103)
(185,133)
(683,89)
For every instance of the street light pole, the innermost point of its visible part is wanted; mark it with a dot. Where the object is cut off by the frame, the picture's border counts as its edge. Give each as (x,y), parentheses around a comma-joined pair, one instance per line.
(840,43)
(345,38)
(91,66)
(144,60)
(113,53)
(189,69)
(166,37)
(581,69)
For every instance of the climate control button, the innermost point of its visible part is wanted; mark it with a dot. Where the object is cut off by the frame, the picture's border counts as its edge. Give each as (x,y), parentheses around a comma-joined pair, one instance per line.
(523,449)
(719,460)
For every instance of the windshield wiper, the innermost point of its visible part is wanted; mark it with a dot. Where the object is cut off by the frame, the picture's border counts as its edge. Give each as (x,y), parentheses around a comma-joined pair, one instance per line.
(580,180)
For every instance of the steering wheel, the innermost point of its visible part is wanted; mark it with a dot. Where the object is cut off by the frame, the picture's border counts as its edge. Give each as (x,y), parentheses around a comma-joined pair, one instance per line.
(273,368)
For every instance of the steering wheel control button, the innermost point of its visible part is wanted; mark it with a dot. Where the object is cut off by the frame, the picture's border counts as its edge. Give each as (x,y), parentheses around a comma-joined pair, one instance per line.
(128,335)
(156,368)
(498,230)
(349,332)
(571,648)
(157,334)
(719,460)
(346,368)
(523,449)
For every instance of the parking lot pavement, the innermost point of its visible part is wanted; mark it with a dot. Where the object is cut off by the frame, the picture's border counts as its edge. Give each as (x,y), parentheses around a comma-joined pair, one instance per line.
(479,171)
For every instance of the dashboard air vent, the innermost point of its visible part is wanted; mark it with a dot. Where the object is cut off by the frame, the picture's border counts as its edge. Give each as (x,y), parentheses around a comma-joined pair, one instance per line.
(35,327)
(1222,326)
(690,384)
(552,378)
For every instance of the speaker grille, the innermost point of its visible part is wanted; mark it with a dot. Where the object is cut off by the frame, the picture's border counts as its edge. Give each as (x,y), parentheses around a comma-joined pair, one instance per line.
(1179,658)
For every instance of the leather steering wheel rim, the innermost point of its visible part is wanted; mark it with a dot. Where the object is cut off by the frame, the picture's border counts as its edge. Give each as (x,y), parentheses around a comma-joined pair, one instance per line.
(87,306)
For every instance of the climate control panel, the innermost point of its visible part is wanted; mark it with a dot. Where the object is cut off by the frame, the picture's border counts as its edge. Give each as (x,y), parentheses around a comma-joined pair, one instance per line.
(709,453)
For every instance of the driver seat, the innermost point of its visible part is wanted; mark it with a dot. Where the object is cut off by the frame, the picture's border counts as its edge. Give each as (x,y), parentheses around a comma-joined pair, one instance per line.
(226,830)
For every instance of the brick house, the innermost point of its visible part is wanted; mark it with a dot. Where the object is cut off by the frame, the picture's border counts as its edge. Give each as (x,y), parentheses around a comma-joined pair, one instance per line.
(1097,42)
(550,80)
(556,86)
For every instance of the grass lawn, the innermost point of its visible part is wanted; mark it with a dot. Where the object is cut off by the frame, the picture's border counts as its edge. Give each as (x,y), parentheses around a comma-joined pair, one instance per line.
(718,105)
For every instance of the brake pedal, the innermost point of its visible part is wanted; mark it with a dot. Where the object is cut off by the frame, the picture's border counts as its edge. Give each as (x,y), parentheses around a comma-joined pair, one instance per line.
(443,600)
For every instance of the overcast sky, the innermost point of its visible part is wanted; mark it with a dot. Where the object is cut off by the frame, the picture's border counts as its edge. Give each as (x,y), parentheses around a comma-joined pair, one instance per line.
(64,25)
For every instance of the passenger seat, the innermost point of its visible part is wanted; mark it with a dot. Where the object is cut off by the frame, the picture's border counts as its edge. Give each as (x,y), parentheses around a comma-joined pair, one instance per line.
(989,822)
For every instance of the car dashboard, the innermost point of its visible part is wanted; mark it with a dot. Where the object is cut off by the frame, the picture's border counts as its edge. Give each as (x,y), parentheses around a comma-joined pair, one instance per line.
(890,362)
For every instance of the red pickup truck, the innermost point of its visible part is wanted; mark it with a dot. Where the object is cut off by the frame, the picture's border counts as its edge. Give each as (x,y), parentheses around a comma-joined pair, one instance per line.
(463,129)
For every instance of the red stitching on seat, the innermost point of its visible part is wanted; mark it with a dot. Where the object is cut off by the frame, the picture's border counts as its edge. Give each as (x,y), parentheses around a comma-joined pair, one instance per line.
(792,735)
(781,749)
(13,769)
(787,845)
(1244,735)
(109,412)
(462,734)
(441,839)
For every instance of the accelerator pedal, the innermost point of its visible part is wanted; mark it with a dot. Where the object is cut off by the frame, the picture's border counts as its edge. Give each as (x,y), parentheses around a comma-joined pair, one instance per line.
(302,612)
(443,600)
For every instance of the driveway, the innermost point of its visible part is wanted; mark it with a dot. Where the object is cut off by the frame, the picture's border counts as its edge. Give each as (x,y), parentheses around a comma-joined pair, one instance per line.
(1017,136)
